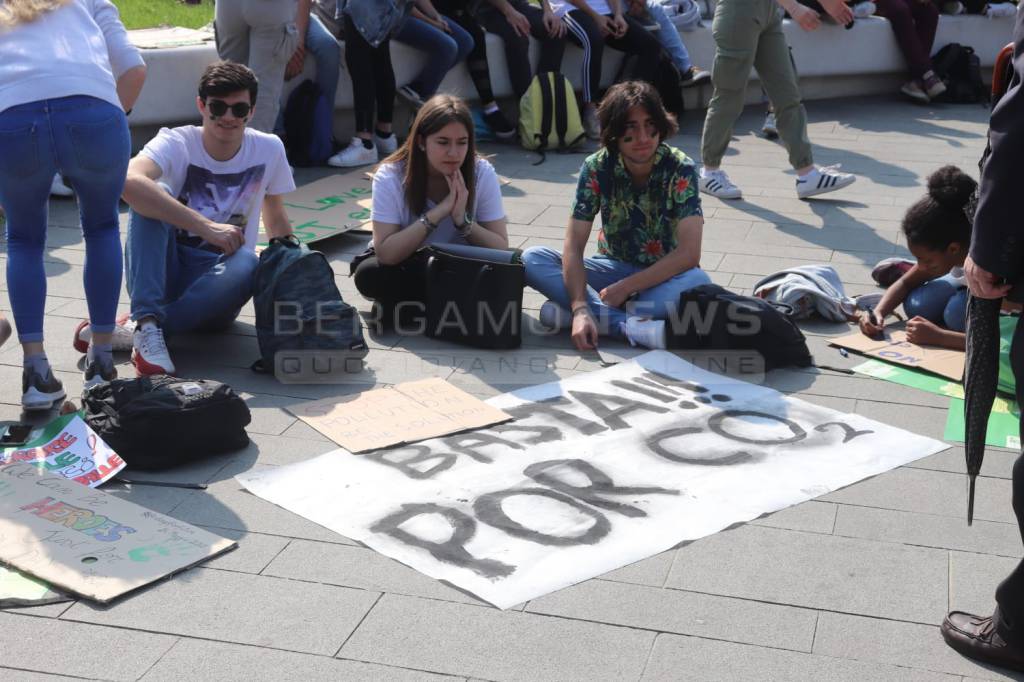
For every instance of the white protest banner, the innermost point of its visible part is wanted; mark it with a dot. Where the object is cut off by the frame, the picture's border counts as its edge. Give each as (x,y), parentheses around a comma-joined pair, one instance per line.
(88,542)
(68,447)
(598,471)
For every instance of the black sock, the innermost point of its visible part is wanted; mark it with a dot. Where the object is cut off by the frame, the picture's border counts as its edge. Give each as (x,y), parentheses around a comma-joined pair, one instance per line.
(382,134)
(367,144)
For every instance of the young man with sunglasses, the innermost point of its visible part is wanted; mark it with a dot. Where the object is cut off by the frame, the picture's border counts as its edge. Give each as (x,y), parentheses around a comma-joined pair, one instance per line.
(196,194)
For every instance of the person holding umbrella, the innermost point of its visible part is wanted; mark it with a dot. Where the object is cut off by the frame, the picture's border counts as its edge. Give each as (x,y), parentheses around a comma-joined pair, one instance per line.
(995,262)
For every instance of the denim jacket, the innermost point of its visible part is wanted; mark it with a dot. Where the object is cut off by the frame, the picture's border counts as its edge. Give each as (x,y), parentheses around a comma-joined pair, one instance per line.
(375,19)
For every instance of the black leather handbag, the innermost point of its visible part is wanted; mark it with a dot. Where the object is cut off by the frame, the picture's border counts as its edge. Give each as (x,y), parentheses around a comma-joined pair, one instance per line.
(475,295)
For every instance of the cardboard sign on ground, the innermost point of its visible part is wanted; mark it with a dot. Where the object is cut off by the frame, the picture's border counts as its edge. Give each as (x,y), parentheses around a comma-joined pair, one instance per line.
(168,36)
(404,413)
(90,543)
(328,207)
(69,448)
(895,348)
(18,590)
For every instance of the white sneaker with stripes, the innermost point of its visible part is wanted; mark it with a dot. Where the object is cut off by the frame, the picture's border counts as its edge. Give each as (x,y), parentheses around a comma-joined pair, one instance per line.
(717,184)
(821,180)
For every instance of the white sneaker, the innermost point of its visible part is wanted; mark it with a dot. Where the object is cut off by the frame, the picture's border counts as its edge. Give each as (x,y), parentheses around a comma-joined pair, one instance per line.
(642,331)
(120,341)
(1000,9)
(150,355)
(770,129)
(355,154)
(717,184)
(59,189)
(554,316)
(414,98)
(385,145)
(914,91)
(821,180)
(863,10)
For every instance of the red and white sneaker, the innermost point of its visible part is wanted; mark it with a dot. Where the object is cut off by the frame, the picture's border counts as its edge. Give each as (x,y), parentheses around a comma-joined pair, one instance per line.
(121,341)
(150,355)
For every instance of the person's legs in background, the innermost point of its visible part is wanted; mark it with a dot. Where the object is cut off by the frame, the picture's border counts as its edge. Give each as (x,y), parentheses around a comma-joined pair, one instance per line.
(445,50)
(915,41)
(642,43)
(584,32)
(668,36)
(373,90)
(27,167)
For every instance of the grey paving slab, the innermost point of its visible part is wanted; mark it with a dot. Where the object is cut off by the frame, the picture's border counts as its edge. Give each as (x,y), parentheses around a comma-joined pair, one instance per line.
(998,462)
(926,530)
(254,552)
(12,675)
(711,661)
(885,641)
(44,611)
(973,579)
(651,572)
(360,568)
(811,517)
(816,571)
(41,645)
(193,659)
(929,492)
(240,608)
(482,642)
(685,613)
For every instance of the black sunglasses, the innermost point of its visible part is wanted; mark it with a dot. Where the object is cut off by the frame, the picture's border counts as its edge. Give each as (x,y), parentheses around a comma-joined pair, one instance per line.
(219,107)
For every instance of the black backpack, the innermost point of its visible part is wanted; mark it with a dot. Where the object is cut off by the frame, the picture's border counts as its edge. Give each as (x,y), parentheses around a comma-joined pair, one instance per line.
(299,308)
(713,318)
(161,421)
(308,126)
(960,69)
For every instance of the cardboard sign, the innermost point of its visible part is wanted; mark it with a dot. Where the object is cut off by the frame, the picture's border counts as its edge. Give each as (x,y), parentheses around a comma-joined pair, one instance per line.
(87,542)
(328,207)
(1003,428)
(68,447)
(167,36)
(405,413)
(18,589)
(895,348)
(597,471)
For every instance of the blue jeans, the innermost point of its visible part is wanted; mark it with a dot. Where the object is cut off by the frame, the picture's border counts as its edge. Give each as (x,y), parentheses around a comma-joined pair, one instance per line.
(327,54)
(544,273)
(182,287)
(445,50)
(942,301)
(668,36)
(86,139)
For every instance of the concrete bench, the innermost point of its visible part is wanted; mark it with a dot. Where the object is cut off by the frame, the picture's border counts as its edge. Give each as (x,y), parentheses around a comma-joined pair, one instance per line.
(832,62)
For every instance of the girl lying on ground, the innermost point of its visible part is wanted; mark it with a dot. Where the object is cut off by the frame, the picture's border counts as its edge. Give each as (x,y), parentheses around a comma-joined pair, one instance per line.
(933,291)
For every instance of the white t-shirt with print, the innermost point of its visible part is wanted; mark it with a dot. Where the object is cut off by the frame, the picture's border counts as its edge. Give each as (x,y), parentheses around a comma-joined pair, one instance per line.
(389,205)
(229,191)
(562,7)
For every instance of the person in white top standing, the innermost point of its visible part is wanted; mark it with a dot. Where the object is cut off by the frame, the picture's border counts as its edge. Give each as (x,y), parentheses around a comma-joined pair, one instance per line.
(196,194)
(62,109)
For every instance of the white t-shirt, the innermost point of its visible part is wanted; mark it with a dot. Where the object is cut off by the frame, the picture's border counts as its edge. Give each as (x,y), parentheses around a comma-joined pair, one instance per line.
(389,205)
(562,7)
(229,191)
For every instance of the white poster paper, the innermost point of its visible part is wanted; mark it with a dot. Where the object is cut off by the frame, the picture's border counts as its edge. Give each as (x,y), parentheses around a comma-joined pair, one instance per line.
(598,471)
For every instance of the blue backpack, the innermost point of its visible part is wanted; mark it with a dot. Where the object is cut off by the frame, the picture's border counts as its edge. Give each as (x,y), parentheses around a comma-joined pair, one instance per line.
(299,309)
(308,126)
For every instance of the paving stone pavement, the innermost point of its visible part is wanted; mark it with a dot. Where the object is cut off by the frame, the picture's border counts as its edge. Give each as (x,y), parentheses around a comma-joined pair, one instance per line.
(851,586)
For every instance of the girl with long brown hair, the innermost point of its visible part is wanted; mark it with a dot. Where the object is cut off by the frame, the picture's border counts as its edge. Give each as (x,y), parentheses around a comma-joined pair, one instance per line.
(433,190)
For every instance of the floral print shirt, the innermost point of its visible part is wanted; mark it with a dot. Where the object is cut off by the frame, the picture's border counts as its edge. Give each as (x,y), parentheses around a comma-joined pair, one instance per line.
(638,224)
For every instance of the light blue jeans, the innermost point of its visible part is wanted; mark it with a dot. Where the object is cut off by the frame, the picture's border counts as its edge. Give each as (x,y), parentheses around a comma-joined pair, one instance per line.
(444,51)
(327,54)
(184,288)
(544,273)
(87,140)
(668,36)
(942,300)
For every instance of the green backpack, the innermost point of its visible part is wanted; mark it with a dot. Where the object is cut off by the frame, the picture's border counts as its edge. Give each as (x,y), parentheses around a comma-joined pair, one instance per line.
(548,115)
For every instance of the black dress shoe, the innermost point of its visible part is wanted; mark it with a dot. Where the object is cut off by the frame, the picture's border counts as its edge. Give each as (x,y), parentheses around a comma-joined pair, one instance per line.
(979,638)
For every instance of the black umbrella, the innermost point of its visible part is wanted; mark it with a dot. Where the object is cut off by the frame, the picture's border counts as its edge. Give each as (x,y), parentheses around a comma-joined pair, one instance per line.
(981,374)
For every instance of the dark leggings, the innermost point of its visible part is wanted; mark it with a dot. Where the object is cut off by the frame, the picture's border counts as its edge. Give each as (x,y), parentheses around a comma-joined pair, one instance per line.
(373,79)
(639,41)
(476,61)
(914,24)
(1010,593)
(517,47)
(394,285)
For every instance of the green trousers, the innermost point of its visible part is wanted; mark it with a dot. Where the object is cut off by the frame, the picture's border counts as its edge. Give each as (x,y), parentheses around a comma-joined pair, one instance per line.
(748,34)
